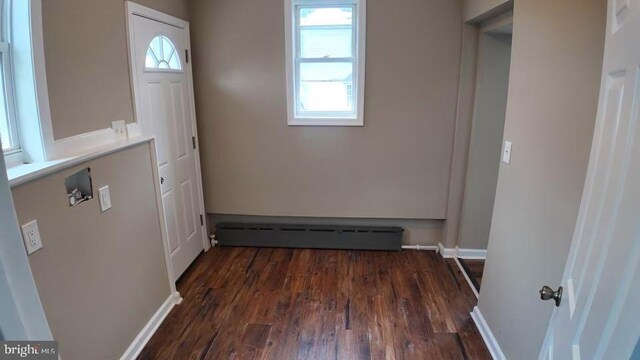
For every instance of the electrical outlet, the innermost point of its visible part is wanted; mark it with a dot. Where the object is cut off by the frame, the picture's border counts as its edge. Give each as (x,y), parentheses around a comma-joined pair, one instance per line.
(31,236)
(105,198)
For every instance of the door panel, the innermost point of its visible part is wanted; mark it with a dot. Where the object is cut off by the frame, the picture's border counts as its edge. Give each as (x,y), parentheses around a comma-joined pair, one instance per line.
(165,103)
(189,208)
(155,104)
(177,90)
(168,204)
(597,318)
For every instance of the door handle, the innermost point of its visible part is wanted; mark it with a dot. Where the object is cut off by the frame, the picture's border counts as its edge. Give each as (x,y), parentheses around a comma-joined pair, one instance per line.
(161,180)
(547,293)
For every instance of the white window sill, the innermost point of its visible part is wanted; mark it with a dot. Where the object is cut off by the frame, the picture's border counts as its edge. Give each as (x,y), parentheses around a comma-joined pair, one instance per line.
(325,122)
(23,173)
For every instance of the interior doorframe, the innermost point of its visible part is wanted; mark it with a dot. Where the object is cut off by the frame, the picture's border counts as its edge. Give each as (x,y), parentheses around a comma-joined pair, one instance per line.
(465,107)
(483,28)
(133,9)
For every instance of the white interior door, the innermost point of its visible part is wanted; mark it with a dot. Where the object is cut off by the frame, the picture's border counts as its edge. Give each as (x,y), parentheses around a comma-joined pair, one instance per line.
(164,104)
(599,316)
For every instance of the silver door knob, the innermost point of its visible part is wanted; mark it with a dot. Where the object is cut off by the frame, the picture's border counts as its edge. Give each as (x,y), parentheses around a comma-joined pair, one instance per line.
(547,293)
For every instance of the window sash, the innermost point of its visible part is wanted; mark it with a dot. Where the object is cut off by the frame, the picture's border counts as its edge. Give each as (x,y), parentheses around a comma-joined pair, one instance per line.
(300,113)
(299,60)
(7,88)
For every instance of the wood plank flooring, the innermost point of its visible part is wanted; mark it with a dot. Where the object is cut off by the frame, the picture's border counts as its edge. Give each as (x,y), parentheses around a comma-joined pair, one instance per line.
(261,303)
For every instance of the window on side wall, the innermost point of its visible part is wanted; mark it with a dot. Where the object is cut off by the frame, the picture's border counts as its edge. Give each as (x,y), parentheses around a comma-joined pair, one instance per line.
(9,136)
(325,42)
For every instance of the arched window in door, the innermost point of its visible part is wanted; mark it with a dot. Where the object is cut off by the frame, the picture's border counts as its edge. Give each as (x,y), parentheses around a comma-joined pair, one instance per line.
(162,55)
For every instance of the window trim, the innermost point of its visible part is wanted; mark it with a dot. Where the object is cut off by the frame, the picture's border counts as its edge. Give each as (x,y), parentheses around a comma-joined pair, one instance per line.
(292,66)
(13,155)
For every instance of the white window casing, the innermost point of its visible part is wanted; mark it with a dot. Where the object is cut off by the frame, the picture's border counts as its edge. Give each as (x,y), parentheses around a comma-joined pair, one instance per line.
(335,100)
(9,125)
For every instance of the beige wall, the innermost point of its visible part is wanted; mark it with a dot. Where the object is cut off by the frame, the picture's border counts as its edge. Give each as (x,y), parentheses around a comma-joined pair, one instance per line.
(87,63)
(21,314)
(100,276)
(396,166)
(494,57)
(556,66)
(464,116)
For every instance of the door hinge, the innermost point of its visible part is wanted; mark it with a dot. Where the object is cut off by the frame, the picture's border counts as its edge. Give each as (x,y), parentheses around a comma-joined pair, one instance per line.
(193,140)
(186,55)
(201,220)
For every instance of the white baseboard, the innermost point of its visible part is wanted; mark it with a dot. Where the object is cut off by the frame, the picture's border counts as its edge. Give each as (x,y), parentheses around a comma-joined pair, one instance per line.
(487,335)
(420,247)
(150,328)
(466,276)
(471,253)
(447,253)
(457,252)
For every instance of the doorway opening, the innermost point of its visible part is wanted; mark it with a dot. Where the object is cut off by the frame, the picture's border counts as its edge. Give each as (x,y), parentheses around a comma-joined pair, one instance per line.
(485,143)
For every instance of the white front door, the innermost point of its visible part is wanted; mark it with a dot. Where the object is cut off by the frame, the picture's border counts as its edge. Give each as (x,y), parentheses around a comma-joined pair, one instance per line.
(599,315)
(164,104)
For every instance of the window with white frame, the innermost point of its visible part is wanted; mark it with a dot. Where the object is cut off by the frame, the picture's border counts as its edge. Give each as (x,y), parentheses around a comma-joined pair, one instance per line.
(162,55)
(325,62)
(8,123)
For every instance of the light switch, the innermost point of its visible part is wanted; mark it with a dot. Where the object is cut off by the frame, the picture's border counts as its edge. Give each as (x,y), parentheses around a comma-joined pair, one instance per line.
(31,236)
(506,153)
(105,198)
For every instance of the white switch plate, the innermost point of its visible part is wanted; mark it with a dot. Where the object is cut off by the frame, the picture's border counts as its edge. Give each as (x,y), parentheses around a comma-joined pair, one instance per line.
(31,236)
(119,127)
(105,198)
(506,153)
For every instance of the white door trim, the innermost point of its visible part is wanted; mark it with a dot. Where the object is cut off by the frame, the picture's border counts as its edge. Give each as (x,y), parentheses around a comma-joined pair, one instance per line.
(133,9)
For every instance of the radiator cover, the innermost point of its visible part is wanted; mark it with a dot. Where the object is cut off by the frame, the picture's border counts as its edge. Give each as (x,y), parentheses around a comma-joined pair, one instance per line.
(309,236)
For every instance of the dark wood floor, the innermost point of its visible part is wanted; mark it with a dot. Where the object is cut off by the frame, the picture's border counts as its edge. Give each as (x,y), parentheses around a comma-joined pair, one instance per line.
(250,303)
(474,269)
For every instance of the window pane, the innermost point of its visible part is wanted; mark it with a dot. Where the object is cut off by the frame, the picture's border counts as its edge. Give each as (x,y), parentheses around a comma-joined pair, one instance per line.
(326,16)
(174,63)
(156,46)
(162,54)
(5,130)
(167,48)
(326,87)
(150,60)
(325,42)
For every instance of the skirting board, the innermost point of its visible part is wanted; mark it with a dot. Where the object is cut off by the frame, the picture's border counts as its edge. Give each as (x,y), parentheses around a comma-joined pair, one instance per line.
(150,328)
(466,276)
(420,247)
(446,253)
(487,335)
(457,252)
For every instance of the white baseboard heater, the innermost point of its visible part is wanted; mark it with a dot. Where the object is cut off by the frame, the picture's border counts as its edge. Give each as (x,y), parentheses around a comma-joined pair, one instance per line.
(309,236)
